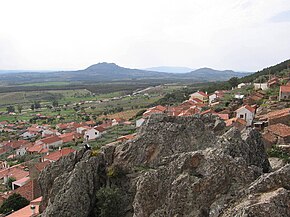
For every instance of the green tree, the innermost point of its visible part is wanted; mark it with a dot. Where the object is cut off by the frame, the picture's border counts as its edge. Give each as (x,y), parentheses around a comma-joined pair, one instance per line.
(10,108)
(14,202)
(108,202)
(37,105)
(55,103)
(9,182)
(19,108)
(32,107)
(234,81)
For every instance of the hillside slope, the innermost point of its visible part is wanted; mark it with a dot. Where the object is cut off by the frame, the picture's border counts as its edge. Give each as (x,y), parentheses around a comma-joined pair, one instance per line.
(112,72)
(266,71)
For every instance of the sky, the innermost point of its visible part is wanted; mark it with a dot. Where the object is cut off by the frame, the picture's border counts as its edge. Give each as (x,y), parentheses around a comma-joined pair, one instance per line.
(243,35)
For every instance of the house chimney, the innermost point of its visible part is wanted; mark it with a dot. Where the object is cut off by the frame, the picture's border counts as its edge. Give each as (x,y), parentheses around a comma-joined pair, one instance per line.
(32,207)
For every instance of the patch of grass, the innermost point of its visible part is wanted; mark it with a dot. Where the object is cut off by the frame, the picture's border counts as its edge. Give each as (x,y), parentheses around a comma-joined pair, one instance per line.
(279,153)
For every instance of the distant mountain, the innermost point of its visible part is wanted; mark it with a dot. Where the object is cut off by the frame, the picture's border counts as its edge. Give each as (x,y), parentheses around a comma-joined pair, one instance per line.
(112,72)
(170,69)
(208,74)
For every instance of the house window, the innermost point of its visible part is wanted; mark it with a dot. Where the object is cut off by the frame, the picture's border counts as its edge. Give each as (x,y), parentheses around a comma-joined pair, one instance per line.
(241,116)
(96,133)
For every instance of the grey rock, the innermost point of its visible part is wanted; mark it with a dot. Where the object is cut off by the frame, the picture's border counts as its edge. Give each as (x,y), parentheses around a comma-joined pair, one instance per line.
(176,166)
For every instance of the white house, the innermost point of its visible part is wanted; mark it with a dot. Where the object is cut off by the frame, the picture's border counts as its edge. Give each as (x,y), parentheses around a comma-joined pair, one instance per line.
(94,133)
(239,96)
(47,132)
(200,95)
(284,93)
(91,134)
(52,141)
(117,121)
(139,122)
(20,182)
(247,113)
(21,151)
(28,135)
(213,97)
(241,85)
(80,130)
(262,86)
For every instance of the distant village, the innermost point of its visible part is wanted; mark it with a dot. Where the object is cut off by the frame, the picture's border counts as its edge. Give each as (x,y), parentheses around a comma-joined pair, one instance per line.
(259,108)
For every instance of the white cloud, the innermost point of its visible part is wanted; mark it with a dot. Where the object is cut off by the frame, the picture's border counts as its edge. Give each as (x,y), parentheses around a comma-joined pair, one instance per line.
(51,34)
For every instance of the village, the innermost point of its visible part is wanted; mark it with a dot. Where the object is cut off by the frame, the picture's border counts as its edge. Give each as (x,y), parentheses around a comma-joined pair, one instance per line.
(27,148)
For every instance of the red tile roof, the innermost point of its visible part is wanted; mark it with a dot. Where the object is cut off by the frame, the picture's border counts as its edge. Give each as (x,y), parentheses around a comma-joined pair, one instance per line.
(15,172)
(119,120)
(231,121)
(26,211)
(17,144)
(223,116)
(189,112)
(269,137)
(160,108)
(202,93)
(40,166)
(68,137)
(54,156)
(51,139)
(195,100)
(276,114)
(285,89)
(100,129)
(34,129)
(35,148)
(21,181)
(281,130)
(126,137)
(91,122)
(247,107)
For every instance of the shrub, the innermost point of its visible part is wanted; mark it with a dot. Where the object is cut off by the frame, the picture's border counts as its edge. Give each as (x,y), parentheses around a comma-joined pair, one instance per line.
(108,202)
(279,153)
(94,153)
(9,182)
(115,171)
(14,202)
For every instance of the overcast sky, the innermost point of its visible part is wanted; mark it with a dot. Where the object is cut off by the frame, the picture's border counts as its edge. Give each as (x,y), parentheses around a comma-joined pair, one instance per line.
(73,34)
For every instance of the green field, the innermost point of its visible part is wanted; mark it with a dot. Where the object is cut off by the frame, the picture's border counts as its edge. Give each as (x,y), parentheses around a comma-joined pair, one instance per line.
(40,84)
(79,105)
(25,97)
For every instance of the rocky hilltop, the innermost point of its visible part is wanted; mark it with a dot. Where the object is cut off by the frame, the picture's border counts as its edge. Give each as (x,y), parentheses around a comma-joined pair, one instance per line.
(176,166)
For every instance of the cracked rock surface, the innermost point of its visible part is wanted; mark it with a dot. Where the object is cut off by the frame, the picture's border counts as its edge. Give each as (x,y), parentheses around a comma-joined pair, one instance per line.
(176,166)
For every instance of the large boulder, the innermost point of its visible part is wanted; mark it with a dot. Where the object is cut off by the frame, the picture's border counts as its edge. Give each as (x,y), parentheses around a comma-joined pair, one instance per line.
(176,166)
(70,184)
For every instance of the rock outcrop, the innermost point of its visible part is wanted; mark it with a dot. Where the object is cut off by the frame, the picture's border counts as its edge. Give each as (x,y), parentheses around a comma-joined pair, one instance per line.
(176,166)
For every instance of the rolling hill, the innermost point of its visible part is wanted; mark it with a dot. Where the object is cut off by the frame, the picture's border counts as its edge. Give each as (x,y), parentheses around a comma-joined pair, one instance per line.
(106,72)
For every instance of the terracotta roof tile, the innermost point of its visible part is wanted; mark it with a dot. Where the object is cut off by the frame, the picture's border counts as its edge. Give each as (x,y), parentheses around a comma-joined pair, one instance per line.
(285,89)
(100,129)
(40,166)
(281,130)
(275,114)
(15,172)
(251,109)
(54,156)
